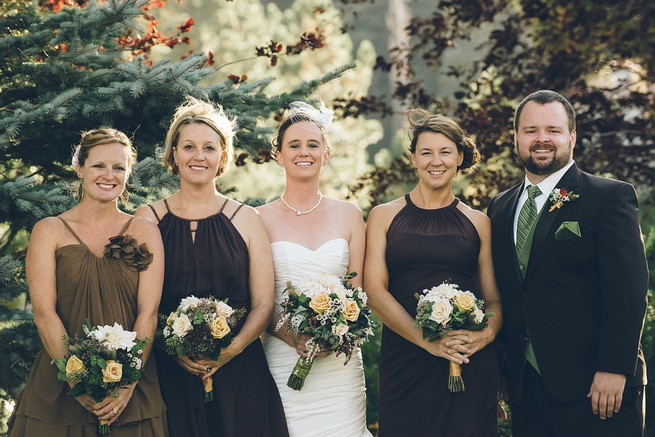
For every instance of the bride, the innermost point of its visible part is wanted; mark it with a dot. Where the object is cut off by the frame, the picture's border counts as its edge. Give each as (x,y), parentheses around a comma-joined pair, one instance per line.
(311,233)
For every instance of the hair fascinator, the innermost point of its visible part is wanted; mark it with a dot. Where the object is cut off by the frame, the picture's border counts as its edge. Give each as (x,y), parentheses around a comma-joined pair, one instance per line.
(322,116)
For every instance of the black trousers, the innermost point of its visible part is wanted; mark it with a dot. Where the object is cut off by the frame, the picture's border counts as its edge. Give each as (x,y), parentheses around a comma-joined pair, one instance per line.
(539,415)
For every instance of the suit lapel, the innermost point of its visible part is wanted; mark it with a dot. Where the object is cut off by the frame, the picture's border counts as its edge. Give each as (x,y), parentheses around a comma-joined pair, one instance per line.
(510,213)
(546,219)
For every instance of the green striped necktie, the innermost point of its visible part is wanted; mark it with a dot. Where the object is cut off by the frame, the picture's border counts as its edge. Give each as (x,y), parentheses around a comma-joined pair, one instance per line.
(527,217)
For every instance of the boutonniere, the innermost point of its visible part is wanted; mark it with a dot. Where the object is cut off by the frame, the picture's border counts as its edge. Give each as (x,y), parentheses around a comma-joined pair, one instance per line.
(560,195)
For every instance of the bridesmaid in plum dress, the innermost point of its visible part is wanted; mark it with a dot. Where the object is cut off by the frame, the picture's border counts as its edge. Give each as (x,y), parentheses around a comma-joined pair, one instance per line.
(215,246)
(416,242)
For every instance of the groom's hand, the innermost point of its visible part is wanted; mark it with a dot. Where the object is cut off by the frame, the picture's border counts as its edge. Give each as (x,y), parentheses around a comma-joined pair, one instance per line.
(606,393)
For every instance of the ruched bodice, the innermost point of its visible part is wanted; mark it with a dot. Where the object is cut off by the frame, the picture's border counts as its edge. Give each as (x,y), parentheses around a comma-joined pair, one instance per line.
(294,262)
(333,400)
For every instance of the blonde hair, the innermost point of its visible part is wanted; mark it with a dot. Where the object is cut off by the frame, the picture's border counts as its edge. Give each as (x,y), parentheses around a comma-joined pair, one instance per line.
(198,111)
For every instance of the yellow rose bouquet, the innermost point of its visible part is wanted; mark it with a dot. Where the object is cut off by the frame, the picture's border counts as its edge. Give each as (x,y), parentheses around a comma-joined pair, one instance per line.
(101,362)
(447,308)
(332,312)
(200,328)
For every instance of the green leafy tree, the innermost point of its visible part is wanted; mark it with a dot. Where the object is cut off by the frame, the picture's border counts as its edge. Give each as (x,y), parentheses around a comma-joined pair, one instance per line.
(66,67)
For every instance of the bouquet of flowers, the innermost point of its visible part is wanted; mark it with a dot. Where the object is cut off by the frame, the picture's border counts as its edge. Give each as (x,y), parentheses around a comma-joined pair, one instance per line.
(101,362)
(332,312)
(446,308)
(200,327)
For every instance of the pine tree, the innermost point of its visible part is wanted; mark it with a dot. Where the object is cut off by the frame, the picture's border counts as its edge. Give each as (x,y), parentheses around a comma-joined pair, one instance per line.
(76,69)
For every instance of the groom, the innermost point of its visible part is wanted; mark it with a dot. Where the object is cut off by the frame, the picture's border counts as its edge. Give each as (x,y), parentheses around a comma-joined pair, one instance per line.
(571,268)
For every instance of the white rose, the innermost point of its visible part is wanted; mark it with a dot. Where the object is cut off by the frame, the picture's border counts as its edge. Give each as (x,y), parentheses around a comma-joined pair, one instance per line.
(477,315)
(441,311)
(182,325)
(223,309)
(341,329)
(188,302)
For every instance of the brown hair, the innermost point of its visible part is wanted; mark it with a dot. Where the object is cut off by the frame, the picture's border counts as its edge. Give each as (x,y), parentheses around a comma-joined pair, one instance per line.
(97,137)
(542,97)
(420,120)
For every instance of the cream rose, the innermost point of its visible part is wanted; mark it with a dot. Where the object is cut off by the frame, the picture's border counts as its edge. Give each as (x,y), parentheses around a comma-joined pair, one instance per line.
(74,365)
(223,309)
(113,372)
(441,311)
(219,327)
(341,329)
(171,318)
(465,302)
(477,315)
(350,310)
(182,325)
(320,303)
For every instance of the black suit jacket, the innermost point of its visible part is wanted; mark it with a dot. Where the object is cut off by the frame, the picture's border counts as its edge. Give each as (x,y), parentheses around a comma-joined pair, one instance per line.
(583,299)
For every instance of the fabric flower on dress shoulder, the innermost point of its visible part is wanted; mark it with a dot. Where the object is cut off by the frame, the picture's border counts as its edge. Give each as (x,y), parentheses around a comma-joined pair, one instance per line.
(127,248)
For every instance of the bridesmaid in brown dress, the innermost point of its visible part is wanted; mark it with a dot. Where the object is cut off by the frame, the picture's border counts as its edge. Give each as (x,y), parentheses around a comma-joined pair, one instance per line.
(416,242)
(74,273)
(215,246)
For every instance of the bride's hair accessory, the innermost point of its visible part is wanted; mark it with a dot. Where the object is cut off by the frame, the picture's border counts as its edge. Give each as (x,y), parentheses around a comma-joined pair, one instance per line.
(322,117)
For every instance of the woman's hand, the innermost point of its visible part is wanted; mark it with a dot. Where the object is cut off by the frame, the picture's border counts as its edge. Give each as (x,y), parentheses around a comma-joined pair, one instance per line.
(191,366)
(301,347)
(453,348)
(87,402)
(110,408)
(474,340)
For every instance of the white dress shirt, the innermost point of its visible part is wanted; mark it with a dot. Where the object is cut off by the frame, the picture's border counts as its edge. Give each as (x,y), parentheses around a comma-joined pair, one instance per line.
(546,186)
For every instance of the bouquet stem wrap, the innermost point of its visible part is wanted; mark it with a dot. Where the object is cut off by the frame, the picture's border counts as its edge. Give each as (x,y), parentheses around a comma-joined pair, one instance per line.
(103,427)
(299,373)
(455,381)
(208,385)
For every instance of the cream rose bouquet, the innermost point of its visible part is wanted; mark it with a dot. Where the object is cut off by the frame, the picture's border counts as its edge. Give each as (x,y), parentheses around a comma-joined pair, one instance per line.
(101,362)
(332,312)
(446,308)
(200,327)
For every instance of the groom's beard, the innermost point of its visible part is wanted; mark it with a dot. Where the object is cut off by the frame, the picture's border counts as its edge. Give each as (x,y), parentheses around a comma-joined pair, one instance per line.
(545,168)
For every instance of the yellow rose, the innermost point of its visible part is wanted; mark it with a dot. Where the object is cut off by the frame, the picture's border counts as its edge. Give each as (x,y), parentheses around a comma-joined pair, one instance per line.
(351,310)
(320,303)
(74,365)
(219,327)
(465,302)
(113,372)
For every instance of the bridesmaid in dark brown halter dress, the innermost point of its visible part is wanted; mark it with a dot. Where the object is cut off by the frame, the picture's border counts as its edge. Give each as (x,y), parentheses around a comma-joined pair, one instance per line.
(419,241)
(72,277)
(215,246)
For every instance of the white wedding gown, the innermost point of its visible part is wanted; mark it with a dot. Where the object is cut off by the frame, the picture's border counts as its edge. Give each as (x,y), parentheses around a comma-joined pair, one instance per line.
(332,402)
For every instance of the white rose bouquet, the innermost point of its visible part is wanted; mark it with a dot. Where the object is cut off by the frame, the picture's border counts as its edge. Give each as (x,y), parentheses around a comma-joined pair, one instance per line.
(446,308)
(332,312)
(200,327)
(101,362)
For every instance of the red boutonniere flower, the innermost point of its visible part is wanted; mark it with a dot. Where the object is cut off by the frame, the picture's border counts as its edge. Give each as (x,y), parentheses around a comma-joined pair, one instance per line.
(560,195)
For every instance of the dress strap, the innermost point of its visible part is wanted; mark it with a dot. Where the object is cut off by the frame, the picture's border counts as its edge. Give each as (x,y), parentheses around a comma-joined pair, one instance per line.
(127,225)
(71,230)
(167,208)
(235,211)
(223,206)
(155,212)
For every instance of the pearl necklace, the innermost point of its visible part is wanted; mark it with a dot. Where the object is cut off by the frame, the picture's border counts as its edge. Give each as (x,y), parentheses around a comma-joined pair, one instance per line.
(299,213)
